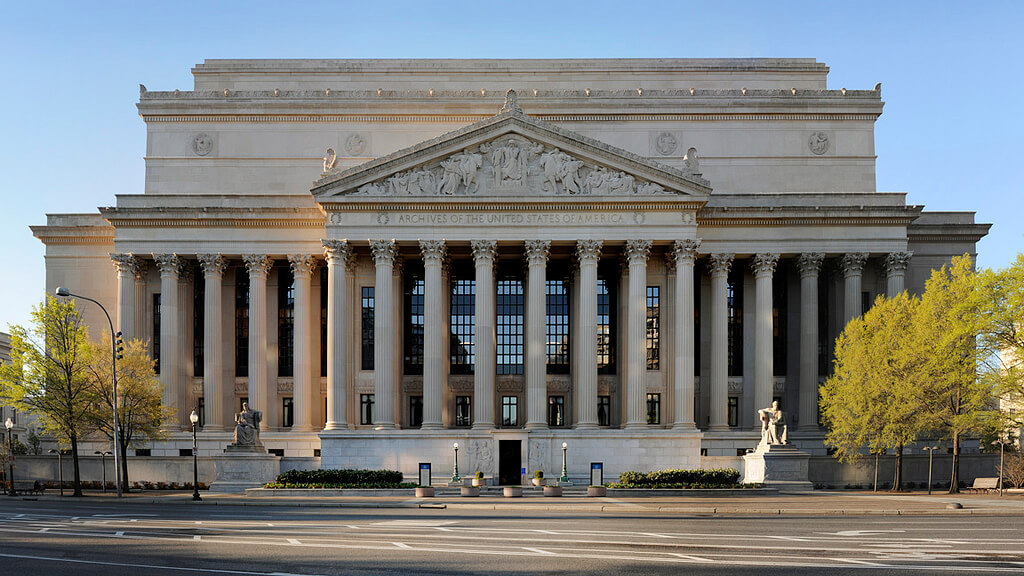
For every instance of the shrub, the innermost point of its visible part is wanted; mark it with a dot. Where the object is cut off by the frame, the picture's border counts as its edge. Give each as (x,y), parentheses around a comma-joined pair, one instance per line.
(339,479)
(713,478)
(478,474)
(538,474)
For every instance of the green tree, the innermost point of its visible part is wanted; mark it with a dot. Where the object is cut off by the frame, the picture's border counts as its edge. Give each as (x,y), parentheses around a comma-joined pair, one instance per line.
(1002,310)
(140,413)
(46,375)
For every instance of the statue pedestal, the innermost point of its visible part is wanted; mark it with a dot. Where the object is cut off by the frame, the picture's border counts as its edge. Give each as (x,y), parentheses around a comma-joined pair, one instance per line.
(244,467)
(777,466)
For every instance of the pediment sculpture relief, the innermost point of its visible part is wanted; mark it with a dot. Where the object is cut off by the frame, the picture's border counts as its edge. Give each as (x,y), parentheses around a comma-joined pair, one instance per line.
(510,165)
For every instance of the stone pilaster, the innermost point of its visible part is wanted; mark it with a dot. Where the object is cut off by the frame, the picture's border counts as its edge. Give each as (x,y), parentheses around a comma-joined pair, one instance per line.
(683,255)
(127,267)
(171,372)
(186,359)
(483,373)
(385,253)
(637,252)
(719,373)
(810,266)
(213,341)
(763,266)
(853,268)
(588,252)
(434,252)
(302,362)
(536,333)
(259,266)
(895,272)
(141,318)
(339,255)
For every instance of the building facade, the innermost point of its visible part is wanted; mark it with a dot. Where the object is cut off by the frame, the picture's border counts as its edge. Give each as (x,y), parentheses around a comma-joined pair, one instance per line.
(390,257)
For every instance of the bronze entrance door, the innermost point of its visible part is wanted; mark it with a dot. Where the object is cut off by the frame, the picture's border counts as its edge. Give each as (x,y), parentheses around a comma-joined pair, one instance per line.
(510,462)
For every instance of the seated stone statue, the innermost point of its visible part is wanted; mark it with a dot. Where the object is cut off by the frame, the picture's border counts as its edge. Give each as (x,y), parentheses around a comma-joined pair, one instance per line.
(773,425)
(247,427)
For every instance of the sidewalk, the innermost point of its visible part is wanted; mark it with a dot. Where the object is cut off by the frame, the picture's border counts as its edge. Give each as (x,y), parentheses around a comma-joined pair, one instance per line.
(818,503)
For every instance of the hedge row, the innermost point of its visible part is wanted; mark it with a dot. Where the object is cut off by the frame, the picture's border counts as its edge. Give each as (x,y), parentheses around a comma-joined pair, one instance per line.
(339,479)
(714,478)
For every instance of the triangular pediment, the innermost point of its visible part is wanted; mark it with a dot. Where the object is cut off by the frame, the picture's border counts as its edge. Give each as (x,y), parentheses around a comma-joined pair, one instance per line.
(509,156)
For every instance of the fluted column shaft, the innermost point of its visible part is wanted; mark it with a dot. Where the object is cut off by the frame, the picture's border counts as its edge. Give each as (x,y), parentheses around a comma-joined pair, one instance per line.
(684,252)
(259,266)
(810,266)
(636,334)
(171,371)
(853,267)
(483,372)
(764,360)
(895,270)
(720,264)
(127,267)
(213,343)
(433,332)
(588,252)
(141,319)
(384,253)
(302,374)
(536,333)
(338,253)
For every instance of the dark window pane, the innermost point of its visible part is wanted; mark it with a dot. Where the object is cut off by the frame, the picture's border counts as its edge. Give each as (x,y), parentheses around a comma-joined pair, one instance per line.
(366,305)
(556,410)
(604,410)
(734,297)
(654,408)
(557,348)
(653,328)
(509,325)
(285,322)
(287,412)
(156,332)
(415,411)
(510,411)
(463,410)
(606,314)
(323,321)
(463,325)
(198,317)
(366,409)
(414,291)
(241,321)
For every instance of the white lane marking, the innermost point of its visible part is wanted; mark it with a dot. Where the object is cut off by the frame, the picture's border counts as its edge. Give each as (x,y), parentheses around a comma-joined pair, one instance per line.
(653,535)
(691,557)
(149,566)
(864,562)
(294,541)
(415,523)
(120,515)
(43,529)
(862,532)
(539,551)
(552,532)
(197,537)
(119,533)
(402,545)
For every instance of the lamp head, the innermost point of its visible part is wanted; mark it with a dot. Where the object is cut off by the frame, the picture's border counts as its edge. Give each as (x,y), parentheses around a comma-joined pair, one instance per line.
(193,418)
(565,445)
(456,445)
(63,292)
(8,424)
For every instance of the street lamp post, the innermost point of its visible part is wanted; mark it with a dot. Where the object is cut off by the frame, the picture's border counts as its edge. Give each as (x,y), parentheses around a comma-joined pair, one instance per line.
(64,293)
(931,452)
(194,419)
(103,465)
(565,473)
(455,472)
(9,424)
(1002,444)
(60,470)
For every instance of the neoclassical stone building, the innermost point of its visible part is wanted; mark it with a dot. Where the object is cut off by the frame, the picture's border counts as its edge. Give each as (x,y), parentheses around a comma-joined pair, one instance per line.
(389,256)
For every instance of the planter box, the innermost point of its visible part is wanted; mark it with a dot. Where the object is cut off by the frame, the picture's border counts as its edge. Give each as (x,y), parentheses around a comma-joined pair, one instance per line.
(513,491)
(597,491)
(552,490)
(479,481)
(469,491)
(424,492)
(540,481)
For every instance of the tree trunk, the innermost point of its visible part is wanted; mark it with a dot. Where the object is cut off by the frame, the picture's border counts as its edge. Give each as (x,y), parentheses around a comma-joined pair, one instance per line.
(897,479)
(74,460)
(124,467)
(954,483)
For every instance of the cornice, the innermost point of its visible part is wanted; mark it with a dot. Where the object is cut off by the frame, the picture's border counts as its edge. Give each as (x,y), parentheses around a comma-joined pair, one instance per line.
(214,223)
(215,217)
(81,235)
(717,217)
(312,118)
(484,206)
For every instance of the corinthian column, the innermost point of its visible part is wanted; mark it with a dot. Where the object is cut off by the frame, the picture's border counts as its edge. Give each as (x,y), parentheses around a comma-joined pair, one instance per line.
(895,270)
(588,252)
(141,320)
(338,253)
(483,372)
(127,267)
(684,254)
(384,254)
(719,264)
(259,266)
(536,333)
(302,375)
(213,343)
(433,331)
(764,370)
(853,267)
(171,370)
(810,266)
(636,334)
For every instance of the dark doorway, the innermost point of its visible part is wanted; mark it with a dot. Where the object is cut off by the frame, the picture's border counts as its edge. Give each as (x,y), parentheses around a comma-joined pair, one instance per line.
(510,462)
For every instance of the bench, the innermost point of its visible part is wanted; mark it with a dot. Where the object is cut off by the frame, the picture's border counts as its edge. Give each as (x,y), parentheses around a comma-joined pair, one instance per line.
(28,487)
(984,484)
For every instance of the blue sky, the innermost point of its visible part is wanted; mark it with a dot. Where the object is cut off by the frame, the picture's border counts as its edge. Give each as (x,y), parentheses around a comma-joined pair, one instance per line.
(951,75)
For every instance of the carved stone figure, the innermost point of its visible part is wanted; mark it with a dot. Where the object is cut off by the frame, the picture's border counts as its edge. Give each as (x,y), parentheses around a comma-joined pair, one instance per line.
(355,145)
(600,180)
(373,189)
(483,456)
(666,143)
(247,427)
(648,188)
(818,143)
(330,160)
(561,167)
(510,160)
(460,169)
(691,161)
(773,425)
(202,144)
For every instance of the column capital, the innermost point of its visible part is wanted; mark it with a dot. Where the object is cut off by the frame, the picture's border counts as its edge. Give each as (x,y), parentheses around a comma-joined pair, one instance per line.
(125,263)
(433,251)
(853,263)
(897,261)
(638,250)
(588,250)
(484,252)
(720,263)
(168,264)
(258,264)
(302,264)
(537,251)
(384,251)
(337,251)
(764,264)
(684,252)
(809,263)
(213,264)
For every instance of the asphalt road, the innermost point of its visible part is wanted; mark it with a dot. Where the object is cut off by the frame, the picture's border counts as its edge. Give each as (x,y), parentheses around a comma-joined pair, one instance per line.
(82,537)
